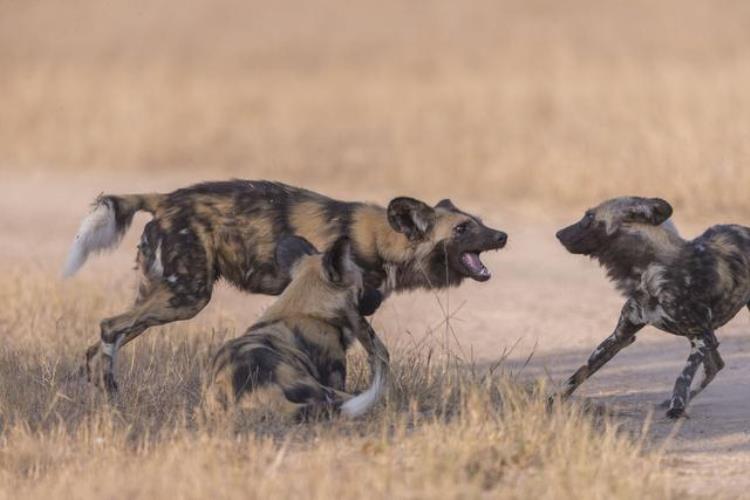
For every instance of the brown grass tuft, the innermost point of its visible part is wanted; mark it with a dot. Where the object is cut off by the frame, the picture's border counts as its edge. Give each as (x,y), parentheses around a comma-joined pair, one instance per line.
(447,429)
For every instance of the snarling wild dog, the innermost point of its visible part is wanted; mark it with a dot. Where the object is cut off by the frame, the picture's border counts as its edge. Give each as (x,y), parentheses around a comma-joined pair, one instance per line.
(293,360)
(231,230)
(687,288)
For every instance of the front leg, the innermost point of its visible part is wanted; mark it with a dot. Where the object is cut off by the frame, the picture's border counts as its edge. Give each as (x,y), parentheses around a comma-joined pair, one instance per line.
(377,352)
(629,324)
(700,346)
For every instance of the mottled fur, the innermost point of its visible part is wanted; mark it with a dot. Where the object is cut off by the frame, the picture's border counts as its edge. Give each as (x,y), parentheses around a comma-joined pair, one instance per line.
(293,361)
(231,230)
(687,288)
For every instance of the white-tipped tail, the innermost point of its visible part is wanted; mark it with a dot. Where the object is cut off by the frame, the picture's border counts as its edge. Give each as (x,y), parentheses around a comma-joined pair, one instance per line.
(360,404)
(98,232)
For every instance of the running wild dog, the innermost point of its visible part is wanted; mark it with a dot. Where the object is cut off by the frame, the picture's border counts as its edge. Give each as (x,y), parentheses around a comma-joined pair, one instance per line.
(293,360)
(231,230)
(687,288)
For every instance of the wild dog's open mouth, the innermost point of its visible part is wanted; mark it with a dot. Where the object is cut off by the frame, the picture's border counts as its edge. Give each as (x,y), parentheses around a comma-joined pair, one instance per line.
(474,266)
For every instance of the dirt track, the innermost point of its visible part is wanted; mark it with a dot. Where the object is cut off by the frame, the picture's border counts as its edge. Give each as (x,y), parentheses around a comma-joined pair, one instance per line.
(540,301)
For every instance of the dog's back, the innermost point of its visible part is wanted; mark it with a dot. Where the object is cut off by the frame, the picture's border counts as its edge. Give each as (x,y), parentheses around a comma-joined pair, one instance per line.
(720,260)
(282,365)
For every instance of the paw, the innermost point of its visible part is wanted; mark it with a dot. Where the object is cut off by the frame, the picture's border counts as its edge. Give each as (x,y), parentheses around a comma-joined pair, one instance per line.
(110,384)
(675,413)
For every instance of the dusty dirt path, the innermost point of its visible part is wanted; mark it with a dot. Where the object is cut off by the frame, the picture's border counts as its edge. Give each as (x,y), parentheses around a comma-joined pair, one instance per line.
(540,300)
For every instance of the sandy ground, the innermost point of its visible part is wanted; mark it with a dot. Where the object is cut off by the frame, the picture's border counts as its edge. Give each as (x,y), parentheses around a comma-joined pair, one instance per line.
(541,303)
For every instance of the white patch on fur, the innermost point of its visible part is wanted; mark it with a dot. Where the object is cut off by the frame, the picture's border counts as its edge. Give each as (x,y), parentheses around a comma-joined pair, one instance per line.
(652,284)
(697,345)
(653,280)
(360,404)
(157,269)
(98,232)
(108,349)
(390,283)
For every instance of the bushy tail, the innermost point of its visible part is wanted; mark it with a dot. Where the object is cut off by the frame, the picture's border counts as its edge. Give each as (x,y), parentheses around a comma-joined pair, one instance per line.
(360,404)
(104,227)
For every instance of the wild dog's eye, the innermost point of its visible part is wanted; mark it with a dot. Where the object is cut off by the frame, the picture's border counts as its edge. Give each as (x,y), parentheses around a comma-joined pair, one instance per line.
(461,228)
(587,219)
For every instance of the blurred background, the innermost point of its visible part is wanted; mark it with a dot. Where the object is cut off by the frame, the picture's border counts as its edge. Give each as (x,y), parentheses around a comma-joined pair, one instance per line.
(540,104)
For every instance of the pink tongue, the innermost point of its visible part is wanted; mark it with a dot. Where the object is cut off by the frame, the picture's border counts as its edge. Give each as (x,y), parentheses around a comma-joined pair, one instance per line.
(471,261)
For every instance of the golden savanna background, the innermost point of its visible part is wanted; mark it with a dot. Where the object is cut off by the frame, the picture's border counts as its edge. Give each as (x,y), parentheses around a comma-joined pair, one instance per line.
(524,112)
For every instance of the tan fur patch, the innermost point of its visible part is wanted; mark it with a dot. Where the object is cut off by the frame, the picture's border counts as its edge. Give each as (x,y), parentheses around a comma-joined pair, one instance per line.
(309,221)
(662,239)
(312,295)
(445,222)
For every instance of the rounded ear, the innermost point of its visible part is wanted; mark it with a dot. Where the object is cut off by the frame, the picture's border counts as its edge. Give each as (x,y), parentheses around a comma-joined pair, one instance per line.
(337,261)
(290,249)
(650,210)
(447,204)
(411,217)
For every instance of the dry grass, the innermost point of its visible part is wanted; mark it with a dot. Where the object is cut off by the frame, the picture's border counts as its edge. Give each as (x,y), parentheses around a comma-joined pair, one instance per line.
(446,431)
(556,102)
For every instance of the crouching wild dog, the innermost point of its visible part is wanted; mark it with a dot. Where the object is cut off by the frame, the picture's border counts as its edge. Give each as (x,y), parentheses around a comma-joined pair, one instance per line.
(687,288)
(231,229)
(294,359)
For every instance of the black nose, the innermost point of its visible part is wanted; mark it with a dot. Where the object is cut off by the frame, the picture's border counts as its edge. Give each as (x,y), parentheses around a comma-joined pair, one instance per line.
(558,234)
(501,238)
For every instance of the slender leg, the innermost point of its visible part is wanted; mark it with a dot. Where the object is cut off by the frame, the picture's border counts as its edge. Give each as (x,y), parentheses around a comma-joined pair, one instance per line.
(623,336)
(158,309)
(176,283)
(375,348)
(700,346)
(712,365)
(149,277)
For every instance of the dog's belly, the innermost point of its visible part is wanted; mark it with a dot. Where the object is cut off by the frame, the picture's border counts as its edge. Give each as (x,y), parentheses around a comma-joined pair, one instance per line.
(681,316)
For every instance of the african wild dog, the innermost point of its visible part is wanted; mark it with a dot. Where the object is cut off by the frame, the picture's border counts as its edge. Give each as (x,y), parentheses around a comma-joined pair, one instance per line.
(231,229)
(293,360)
(687,288)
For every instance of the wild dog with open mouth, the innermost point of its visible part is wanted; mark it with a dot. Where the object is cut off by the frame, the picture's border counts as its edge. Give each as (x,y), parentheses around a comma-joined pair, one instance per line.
(687,288)
(231,229)
(293,360)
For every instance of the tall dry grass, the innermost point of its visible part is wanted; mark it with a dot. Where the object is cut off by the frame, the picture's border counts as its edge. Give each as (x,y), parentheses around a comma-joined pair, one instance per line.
(554,102)
(447,430)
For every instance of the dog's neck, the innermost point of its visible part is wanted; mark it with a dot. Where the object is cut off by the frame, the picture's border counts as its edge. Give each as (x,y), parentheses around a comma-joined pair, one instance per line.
(633,250)
(379,244)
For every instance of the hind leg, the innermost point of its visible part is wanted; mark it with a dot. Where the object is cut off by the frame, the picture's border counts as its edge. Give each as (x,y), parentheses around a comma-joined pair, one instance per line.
(700,347)
(161,307)
(149,267)
(712,365)
(176,285)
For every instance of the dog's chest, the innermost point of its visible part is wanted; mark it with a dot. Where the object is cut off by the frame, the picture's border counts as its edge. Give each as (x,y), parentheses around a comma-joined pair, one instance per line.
(655,299)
